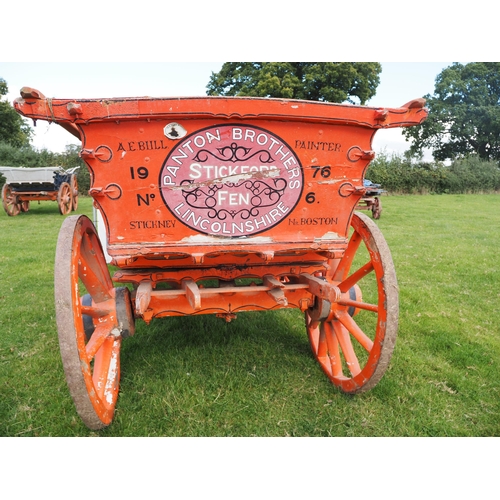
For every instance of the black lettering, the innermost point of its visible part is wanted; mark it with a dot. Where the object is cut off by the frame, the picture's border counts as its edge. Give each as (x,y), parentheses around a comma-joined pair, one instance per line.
(141,199)
(152,224)
(318,146)
(318,221)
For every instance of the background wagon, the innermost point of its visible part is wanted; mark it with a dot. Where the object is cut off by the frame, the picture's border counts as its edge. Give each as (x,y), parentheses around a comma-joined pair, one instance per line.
(221,206)
(24,185)
(371,199)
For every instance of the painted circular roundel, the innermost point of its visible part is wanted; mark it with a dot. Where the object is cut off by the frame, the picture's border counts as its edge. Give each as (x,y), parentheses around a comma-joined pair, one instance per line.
(231,180)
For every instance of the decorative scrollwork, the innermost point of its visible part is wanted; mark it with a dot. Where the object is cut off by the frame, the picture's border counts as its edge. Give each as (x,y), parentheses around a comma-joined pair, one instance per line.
(261,195)
(233,153)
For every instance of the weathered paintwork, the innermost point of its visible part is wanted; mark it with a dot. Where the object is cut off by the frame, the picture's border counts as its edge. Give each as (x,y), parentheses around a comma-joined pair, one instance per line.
(186,181)
(220,205)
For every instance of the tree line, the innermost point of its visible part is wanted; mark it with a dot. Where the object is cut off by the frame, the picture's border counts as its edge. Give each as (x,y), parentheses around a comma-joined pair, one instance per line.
(462,129)
(401,174)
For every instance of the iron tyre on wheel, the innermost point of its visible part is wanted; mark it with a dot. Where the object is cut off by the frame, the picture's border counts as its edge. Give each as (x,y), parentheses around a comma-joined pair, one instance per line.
(353,339)
(83,289)
(65,198)
(9,201)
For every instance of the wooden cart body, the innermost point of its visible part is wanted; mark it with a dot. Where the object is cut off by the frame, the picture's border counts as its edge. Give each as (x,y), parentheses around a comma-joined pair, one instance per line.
(221,205)
(24,185)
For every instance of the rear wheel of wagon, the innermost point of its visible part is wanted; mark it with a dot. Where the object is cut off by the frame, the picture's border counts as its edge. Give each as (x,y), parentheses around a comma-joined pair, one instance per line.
(74,192)
(64,198)
(83,290)
(9,201)
(353,339)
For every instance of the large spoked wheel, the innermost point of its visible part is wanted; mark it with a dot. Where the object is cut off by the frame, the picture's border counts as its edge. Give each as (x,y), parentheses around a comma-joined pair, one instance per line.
(353,339)
(9,201)
(64,198)
(83,290)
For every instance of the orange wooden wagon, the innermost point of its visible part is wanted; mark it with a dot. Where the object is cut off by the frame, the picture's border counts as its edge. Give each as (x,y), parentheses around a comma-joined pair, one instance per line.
(218,205)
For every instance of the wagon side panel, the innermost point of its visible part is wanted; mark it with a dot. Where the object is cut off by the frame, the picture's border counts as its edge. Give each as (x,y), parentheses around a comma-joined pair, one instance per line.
(172,186)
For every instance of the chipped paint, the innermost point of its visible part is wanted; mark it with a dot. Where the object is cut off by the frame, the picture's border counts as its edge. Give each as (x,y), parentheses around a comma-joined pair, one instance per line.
(109,389)
(214,240)
(174,131)
(329,236)
(229,179)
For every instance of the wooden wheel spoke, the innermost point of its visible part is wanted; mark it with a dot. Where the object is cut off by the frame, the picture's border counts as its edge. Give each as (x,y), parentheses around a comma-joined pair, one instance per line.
(322,345)
(346,261)
(106,366)
(313,324)
(99,336)
(333,348)
(355,330)
(347,348)
(355,277)
(359,305)
(94,312)
(93,271)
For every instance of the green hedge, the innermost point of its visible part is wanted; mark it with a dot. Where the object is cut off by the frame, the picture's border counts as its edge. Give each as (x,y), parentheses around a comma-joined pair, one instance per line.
(396,174)
(402,175)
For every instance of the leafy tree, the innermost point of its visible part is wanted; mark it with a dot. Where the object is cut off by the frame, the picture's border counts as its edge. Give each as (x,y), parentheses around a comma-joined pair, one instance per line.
(13,129)
(316,81)
(464,113)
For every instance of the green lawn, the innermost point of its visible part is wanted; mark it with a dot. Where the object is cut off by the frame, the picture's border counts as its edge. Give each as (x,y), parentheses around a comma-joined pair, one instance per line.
(256,376)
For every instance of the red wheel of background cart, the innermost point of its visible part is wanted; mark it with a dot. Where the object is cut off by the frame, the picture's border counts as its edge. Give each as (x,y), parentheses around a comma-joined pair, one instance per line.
(83,290)
(74,192)
(9,201)
(353,340)
(25,206)
(64,198)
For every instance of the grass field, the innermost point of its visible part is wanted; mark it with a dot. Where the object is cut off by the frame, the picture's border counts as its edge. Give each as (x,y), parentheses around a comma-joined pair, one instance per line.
(256,376)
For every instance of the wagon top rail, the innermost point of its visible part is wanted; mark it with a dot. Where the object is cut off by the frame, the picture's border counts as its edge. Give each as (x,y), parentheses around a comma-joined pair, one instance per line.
(67,112)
